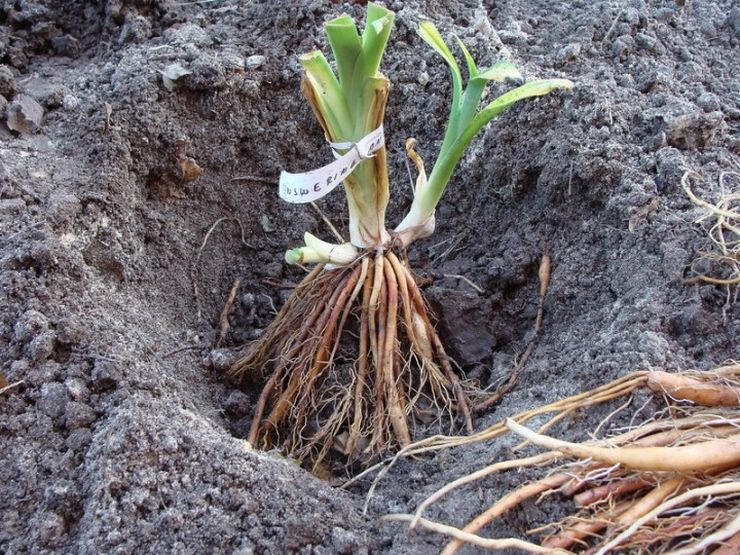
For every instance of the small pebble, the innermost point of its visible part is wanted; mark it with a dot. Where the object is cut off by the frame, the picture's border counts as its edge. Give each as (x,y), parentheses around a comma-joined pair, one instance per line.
(232,61)
(30,323)
(273,269)
(255,61)
(77,388)
(66,45)
(105,376)
(78,415)
(12,206)
(664,14)
(171,74)
(53,400)
(645,41)
(37,376)
(70,102)
(25,115)
(62,495)
(221,359)
(50,529)
(136,28)
(41,347)
(237,403)
(632,16)
(569,52)
(622,46)
(708,102)
(207,73)
(512,37)
(423,78)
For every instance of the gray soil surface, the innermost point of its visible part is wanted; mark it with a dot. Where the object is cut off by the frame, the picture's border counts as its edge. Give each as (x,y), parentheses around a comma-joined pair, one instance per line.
(124,438)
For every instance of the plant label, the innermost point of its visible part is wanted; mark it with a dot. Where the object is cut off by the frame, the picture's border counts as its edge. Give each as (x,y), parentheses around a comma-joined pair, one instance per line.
(309,186)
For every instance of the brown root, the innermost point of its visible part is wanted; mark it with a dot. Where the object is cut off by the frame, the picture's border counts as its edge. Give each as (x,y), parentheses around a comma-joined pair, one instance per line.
(359,397)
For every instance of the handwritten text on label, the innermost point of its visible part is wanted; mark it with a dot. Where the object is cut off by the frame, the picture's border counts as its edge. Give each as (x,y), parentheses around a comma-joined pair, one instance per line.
(312,185)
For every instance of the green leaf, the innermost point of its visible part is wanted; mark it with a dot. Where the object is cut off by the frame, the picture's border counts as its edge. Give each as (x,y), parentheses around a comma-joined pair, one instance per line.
(529,90)
(472,68)
(345,44)
(448,158)
(329,94)
(501,72)
(375,37)
(428,32)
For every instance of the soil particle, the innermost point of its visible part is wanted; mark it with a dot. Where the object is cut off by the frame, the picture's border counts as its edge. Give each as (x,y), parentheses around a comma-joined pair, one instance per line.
(255,61)
(78,415)
(237,403)
(136,28)
(25,115)
(206,73)
(465,325)
(105,376)
(8,86)
(53,400)
(10,206)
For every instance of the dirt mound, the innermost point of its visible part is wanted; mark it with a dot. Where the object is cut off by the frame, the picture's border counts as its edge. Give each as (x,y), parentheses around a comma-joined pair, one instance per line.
(120,437)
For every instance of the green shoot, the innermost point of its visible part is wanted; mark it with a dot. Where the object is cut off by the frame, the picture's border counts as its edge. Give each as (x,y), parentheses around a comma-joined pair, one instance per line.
(317,251)
(350,105)
(464,123)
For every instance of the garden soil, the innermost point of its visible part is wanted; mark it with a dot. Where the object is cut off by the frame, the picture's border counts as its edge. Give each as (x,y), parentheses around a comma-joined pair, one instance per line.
(117,257)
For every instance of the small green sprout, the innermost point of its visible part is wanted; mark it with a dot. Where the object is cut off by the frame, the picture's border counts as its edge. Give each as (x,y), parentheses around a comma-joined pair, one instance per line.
(464,124)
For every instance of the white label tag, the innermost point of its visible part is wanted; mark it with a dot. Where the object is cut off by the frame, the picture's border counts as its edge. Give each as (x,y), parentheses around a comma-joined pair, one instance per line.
(310,186)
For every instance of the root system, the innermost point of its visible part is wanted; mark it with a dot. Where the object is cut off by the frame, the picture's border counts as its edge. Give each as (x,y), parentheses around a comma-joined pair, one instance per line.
(352,365)
(670,485)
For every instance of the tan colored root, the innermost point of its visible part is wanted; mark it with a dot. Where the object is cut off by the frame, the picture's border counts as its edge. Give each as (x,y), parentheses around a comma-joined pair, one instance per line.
(617,388)
(690,458)
(462,536)
(261,350)
(659,460)
(584,528)
(590,496)
(505,503)
(497,467)
(316,354)
(310,404)
(362,363)
(393,395)
(612,490)
(380,419)
(324,355)
(730,546)
(423,328)
(726,488)
(724,237)
(684,388)
(667,530)
(651,500)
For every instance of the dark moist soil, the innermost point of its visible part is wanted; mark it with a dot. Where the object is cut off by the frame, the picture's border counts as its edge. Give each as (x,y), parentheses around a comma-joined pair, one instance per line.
(122,438)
